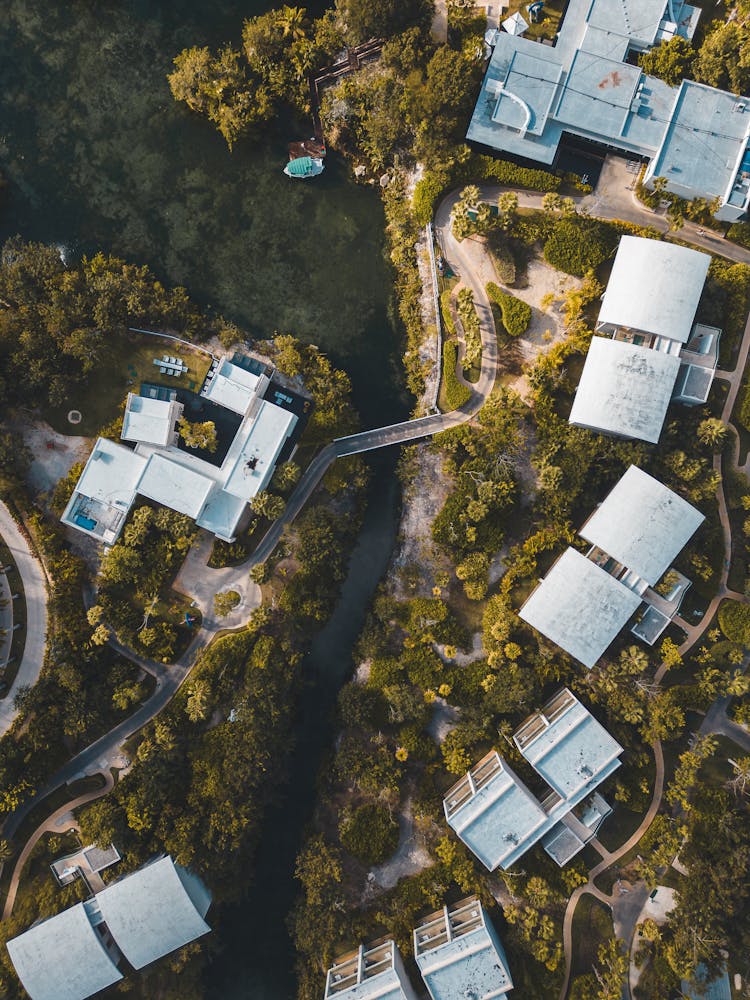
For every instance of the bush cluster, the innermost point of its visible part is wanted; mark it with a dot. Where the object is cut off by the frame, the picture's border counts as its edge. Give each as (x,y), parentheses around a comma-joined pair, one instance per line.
(734,620)
(580,244)
(456,394)
(516,314)
(369,832)
(470,323)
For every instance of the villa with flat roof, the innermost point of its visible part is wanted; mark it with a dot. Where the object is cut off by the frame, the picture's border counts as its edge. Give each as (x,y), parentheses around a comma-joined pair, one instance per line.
(533,95)
(143,916)
(500,819)
(375,972)
(650,352)
(460,955)
(634,535)
(216,497)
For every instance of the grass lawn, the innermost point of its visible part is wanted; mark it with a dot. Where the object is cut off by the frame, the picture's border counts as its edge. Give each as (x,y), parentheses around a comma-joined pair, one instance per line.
(592,926)
(717,770)
(618,827)
(549,24)
(128,361)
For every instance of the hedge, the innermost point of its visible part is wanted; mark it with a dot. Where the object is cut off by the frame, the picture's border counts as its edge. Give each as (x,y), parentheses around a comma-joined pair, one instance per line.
(445,312)
(470,323)
(455,393)
(516,314)
(739,232)
(734,620)
(505,172)
(579,245)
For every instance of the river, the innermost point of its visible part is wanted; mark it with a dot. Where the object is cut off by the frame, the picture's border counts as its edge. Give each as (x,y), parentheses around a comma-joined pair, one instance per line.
(97,155)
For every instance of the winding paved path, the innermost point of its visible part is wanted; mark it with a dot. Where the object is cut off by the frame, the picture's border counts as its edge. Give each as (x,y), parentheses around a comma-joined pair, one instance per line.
(35,596)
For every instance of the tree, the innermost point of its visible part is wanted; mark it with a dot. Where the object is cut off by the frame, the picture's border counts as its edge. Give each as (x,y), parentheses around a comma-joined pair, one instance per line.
(198,435)
(740,782)
(611,969)
(369,832)
(712,433)
(268,505)
(364,19)
(225,602)
(286,476)
(671,61)
(670,653)
(507,209)
(723,59)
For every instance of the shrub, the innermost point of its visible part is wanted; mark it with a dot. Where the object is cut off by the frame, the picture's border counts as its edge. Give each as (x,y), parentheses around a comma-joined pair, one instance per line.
(739,232)
(579,244)
(445,312)
(734,620)
(455,393)
(470,323)
(426,192)
(502,258)
(516,314)
(369,832)
(505,172)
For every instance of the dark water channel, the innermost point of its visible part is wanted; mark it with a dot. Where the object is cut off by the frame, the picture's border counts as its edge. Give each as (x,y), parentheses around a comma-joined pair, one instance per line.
(257,962)
(97,155)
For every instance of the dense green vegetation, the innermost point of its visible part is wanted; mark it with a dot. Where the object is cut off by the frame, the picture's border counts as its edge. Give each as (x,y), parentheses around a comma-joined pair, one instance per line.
(579,245)
(516,314)
(455,393)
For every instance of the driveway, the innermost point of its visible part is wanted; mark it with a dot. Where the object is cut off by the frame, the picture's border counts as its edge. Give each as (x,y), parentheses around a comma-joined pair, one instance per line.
(35,593)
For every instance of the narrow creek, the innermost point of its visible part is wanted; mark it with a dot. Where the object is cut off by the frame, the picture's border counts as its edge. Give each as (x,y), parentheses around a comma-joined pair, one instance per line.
(257,961)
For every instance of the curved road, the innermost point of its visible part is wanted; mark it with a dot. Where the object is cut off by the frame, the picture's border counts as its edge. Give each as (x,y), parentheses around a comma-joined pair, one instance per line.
(35,596)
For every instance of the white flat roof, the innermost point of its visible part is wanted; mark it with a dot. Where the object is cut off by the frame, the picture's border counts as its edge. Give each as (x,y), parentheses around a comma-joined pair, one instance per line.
(573,752)
(112,474)
(154,911)
(63,958)
(580,607)
(255,463)
(655,287)
(232,386)
(149,420)
(624,389)
(372,973)
(221,514)
(174,485)
(642,524)
(501,820)
(471,963)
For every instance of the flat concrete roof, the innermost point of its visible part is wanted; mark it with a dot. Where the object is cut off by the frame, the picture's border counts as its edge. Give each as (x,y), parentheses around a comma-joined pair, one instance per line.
(372,973)
(63,958)
(580,607)
(154,911)
(232,386)
(469,961)
(704,141)
(636,19)
(149,420)
(642,524)
(624,389)
(598,94)
(174,485)
(654,287)
(500,820)
(112,474)
(255,463)
(573,752)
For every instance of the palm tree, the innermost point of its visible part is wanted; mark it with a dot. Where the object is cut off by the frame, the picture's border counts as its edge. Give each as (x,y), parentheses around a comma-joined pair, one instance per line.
(291,20)
(712,433)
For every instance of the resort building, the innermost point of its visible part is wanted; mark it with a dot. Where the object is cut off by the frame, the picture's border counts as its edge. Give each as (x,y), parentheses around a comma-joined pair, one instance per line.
(499,818)
(649,352)
(142,917)
(372,973)
(635,533)
(460,955)
(587,86)
(215,495)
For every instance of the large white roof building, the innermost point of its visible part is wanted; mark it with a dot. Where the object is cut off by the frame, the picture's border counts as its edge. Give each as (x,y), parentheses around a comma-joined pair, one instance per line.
(654,287)
(495,814)
(372,973)
(656,354)
(215,496)
(580,607)
(642,524)
(460,955)
(154,911)
(143,916)
(587,85)
(635,534)
(64,957)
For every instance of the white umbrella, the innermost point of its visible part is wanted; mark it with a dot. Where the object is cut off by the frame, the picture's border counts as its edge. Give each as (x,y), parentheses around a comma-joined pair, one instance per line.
(515,24)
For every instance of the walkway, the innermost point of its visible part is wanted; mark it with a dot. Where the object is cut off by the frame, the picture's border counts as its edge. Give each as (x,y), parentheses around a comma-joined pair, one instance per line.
(55,823)
(35,595)
(715,720)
